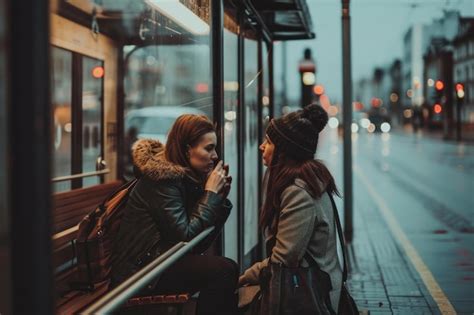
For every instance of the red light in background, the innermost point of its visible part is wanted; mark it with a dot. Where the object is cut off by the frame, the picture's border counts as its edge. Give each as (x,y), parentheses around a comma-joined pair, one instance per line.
(358,106)
(438,109)
(98,72)
(201,88)
(459,87)
(439,85)
(318,89)
(325,102)
(376,102)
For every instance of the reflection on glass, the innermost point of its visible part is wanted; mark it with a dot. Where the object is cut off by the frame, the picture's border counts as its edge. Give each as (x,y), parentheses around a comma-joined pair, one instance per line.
(180,14)
(266,86)
(251,146)
(230,136)
(61,95)
(92,76)
(171,77)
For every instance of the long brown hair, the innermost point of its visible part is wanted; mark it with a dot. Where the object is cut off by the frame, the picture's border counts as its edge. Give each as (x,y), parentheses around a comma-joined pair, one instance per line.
(283,172)
(186,131)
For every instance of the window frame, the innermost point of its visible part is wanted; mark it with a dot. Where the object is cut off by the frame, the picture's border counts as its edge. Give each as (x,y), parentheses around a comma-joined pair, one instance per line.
(77,132)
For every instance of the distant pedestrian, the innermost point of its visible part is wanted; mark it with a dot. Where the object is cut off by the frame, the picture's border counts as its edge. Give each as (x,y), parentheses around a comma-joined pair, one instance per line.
(297,215)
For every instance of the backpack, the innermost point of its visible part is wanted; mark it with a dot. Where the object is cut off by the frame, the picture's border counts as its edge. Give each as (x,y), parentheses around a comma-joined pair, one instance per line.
(95,238)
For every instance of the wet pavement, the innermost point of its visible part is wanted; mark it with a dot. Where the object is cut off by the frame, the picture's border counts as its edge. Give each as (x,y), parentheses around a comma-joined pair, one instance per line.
(413,248)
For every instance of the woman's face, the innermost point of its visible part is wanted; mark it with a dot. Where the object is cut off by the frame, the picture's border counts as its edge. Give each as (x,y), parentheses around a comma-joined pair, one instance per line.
(267,148)
(203,155)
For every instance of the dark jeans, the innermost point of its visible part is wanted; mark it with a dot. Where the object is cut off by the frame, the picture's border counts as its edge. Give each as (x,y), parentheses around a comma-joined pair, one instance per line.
(214,276)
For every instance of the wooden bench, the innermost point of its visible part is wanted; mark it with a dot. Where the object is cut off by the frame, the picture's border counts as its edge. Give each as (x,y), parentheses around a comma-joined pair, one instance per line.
(69,209)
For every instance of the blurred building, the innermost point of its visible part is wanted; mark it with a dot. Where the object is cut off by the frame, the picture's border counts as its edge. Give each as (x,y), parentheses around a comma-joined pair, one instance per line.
(448,59)
(416,42)
(395,93)
(382,90)
(438,85)
(463,63)
(363,92)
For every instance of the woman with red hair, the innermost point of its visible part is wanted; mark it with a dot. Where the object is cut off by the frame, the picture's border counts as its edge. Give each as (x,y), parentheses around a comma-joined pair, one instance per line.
(181,191)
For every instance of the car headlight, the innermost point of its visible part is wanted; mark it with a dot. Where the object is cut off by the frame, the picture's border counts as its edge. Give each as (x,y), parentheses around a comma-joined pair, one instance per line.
(385,127)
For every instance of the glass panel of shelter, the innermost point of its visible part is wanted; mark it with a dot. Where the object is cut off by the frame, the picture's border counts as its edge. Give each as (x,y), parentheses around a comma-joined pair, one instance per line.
(251,143)
(231,98)
(169,76)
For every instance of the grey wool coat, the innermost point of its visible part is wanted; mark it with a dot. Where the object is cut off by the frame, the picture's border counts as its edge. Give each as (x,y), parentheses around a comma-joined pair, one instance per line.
(305,225)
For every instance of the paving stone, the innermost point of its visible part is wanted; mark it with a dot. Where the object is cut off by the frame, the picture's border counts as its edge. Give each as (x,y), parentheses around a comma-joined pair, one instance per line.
(381,279)
(408,310)
(403,301)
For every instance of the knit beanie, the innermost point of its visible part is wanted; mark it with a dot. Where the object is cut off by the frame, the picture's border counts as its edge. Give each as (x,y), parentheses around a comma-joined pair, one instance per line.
(296,133)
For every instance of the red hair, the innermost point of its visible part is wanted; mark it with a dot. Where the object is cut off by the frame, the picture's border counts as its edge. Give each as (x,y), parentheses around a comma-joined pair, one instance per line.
(185,132)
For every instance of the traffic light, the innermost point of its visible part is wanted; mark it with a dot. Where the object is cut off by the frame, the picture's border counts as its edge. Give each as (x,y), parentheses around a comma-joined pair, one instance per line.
(439,87)
(307,69)
(318,90)
(459,91)
(460,98)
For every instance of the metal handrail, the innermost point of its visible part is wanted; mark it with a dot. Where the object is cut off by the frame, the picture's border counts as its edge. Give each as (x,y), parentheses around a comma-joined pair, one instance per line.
(132,285)
(81,175)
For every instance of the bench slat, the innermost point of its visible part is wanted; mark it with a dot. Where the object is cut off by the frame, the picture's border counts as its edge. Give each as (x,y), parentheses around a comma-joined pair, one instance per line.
(71,206)
(80,300)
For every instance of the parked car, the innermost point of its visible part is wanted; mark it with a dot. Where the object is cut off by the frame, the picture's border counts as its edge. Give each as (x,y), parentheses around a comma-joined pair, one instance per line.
(155,122)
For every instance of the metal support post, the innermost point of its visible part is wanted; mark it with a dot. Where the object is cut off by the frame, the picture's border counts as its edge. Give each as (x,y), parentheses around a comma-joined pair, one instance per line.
(347,119)
(458,120)
(217,64)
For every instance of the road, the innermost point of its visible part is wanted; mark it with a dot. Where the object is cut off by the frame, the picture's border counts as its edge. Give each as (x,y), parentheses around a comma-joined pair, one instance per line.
(424,187)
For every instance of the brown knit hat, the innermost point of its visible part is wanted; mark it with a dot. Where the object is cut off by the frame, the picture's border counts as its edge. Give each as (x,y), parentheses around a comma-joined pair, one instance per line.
(296,133)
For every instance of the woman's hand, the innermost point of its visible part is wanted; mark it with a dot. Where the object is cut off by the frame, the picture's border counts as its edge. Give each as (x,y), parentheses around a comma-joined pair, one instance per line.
(228,182)
(242,281)
(217,179)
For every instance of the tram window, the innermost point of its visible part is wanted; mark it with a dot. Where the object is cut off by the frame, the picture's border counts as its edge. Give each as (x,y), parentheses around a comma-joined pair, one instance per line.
(95,137)
(61,87)
(86,137)
(78,125)
(92,116)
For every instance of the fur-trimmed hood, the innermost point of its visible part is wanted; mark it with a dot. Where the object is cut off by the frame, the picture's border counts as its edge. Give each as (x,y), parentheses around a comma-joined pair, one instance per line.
(149,158)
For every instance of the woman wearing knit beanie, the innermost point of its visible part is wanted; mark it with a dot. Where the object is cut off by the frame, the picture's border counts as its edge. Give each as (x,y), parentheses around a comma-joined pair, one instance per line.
(297,215)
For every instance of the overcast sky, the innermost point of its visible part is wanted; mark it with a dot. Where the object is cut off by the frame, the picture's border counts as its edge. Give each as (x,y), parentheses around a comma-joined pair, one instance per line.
(377,28)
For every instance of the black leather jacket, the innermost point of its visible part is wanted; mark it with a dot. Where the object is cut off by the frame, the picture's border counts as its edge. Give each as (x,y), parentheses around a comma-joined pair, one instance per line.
(165,207)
